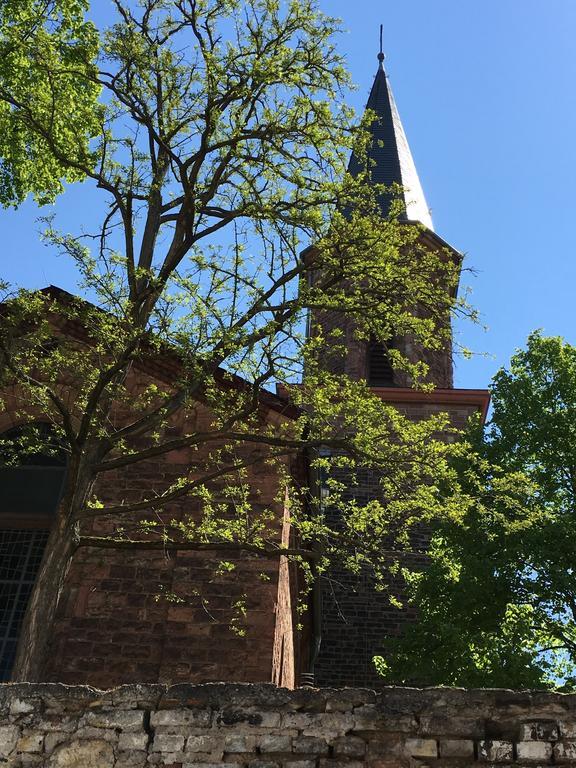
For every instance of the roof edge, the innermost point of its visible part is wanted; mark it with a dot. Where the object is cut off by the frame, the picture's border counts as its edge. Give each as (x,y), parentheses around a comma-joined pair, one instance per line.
(167,363)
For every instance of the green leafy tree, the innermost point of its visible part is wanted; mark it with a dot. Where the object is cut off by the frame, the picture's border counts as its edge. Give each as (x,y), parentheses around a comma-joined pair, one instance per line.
(222,147)
(48,97)
(497,605)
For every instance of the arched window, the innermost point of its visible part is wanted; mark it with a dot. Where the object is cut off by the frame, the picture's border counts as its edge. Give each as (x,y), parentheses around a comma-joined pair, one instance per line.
(32,468)
(379,369)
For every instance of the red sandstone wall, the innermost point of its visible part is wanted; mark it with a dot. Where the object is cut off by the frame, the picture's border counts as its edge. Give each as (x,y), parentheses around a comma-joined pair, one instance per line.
(115,626)
(354,363)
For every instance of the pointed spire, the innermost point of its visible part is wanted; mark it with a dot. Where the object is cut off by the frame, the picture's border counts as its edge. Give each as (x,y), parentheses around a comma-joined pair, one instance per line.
(390,156)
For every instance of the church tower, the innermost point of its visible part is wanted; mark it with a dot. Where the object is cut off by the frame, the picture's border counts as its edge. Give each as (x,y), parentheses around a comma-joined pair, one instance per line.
(351,619)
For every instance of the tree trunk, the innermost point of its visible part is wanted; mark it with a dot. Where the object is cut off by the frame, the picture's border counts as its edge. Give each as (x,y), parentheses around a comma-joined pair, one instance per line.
(38,624)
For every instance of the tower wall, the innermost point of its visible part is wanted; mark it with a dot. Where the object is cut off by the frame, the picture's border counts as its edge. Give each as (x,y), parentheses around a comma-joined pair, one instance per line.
(354,361)
(355,618)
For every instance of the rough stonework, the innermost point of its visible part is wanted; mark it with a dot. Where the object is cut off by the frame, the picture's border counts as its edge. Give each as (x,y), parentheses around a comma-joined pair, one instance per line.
(261,726)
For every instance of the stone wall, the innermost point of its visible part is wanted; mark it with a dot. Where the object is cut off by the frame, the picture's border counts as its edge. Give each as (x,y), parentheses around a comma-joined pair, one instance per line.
(260,726)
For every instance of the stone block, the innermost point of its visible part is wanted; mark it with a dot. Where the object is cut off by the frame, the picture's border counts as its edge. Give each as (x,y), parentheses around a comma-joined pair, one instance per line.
(396,723)
(441,725)
(336,704)
(565,751)
(138,741)
(456,748)
(385,746)
(274,743)
(204,743)
(52,739)
(131,720)
(267,719)
(327,763)
(262,764)
(99,734)
(167,742)
(30,741)
(333,723)
(422,747)
(173,719)
(299,763)
(249,716)
(534,750)
(164,760)
(349,746)
(313,745)
(495,751)
(392,763)
(539,730)
(237,743)
(567,729)
(22,706)
(206,765)
(133,759)
(366,718)
(28,760)
(298,720)
(60,724)
(9,735)
(88,754)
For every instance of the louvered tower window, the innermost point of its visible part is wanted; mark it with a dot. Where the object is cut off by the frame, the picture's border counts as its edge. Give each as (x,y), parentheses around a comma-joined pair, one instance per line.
(379,368)
(30,489)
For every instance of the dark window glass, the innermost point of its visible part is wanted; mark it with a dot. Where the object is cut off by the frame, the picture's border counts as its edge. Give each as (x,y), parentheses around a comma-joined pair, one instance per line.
(380,372)
(20,556)
(30,489)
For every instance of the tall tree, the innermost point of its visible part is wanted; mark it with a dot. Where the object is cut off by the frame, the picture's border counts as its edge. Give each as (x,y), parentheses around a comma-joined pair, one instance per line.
(498,604)
(222,148)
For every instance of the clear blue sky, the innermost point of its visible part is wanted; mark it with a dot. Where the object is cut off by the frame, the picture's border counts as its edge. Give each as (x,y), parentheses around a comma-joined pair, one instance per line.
(487,95)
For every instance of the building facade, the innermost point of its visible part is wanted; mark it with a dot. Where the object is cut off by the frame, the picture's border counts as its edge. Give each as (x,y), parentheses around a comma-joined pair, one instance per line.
(111,626)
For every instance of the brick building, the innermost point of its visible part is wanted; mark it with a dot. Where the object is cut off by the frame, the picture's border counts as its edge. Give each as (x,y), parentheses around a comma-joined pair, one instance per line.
(354,618)
(112,625)
(111,628)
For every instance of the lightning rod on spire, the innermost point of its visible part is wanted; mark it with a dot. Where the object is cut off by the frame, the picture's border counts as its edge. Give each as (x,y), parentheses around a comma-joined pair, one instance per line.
(381,56)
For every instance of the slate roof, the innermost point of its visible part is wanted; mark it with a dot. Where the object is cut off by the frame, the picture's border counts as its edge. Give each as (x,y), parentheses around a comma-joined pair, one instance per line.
(390,156)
